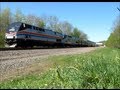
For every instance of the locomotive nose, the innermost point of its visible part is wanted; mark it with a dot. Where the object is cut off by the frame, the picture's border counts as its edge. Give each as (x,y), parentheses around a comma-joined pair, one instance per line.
(10,35)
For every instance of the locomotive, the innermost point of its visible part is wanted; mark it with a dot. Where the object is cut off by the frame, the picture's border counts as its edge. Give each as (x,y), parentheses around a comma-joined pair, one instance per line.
(20,34)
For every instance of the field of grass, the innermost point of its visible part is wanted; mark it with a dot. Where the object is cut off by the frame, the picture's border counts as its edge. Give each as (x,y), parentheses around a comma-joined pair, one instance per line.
(99,69)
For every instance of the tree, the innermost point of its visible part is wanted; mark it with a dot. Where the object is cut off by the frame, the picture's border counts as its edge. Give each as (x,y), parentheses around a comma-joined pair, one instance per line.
(5,18)
(114,38)
(79,34)
(59,28)
(30,19)
(52,22)
(34,20)
(76,32)
(83,36)
(66,28)
(18,17)
(0,20)
(39,22)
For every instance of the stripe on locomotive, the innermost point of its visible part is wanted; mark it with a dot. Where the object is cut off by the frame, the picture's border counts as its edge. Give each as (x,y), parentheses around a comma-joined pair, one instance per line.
(36,40)
(38,34)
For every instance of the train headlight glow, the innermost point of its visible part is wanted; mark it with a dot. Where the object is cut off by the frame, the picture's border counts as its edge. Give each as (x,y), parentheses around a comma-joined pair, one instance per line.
(11,35)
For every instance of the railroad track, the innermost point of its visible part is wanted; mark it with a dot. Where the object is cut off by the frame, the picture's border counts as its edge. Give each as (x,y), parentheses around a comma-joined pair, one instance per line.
(8,49)
(29,48)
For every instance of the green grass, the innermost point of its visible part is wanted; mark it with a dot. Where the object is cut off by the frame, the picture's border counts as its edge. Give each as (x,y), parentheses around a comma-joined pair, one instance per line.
(98,69)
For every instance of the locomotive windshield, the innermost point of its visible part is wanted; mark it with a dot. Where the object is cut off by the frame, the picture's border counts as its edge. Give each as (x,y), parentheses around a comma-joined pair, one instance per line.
(14,27)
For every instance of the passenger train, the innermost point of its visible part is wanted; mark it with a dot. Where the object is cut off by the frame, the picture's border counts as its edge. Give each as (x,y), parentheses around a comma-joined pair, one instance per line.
(21,34)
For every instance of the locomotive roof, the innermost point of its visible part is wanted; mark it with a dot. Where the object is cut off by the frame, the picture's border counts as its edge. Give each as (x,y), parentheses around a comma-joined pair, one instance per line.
(16,23)
(36,26)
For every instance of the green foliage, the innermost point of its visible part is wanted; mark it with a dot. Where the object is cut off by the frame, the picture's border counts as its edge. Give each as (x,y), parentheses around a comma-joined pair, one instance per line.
(40,23)
(67,28)
(96,70)
(6,18)
(76,32)
(2,38)
(114,38)
(18,16)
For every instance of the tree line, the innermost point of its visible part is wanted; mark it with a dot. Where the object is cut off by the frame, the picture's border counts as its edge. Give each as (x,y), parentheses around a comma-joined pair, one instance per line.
(114,38)
(43,21)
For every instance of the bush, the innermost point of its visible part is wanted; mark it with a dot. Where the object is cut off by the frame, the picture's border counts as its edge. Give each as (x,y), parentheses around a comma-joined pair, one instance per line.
(114,38)
(2,39)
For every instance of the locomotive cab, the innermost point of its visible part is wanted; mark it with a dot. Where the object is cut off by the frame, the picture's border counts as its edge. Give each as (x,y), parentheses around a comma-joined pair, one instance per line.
(10,35)
(12,30)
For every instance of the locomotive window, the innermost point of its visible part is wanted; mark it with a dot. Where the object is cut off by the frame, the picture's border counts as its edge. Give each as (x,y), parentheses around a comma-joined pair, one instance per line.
(28,26)
(37,28)
(25,26)
(22,27)
(33,27)
(12,29)
(41,29)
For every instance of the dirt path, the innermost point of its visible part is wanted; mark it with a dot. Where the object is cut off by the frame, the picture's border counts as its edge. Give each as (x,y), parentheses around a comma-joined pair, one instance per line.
(20,62)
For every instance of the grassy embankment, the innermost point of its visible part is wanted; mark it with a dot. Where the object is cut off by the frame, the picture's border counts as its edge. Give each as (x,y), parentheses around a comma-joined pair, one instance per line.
(98,69)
